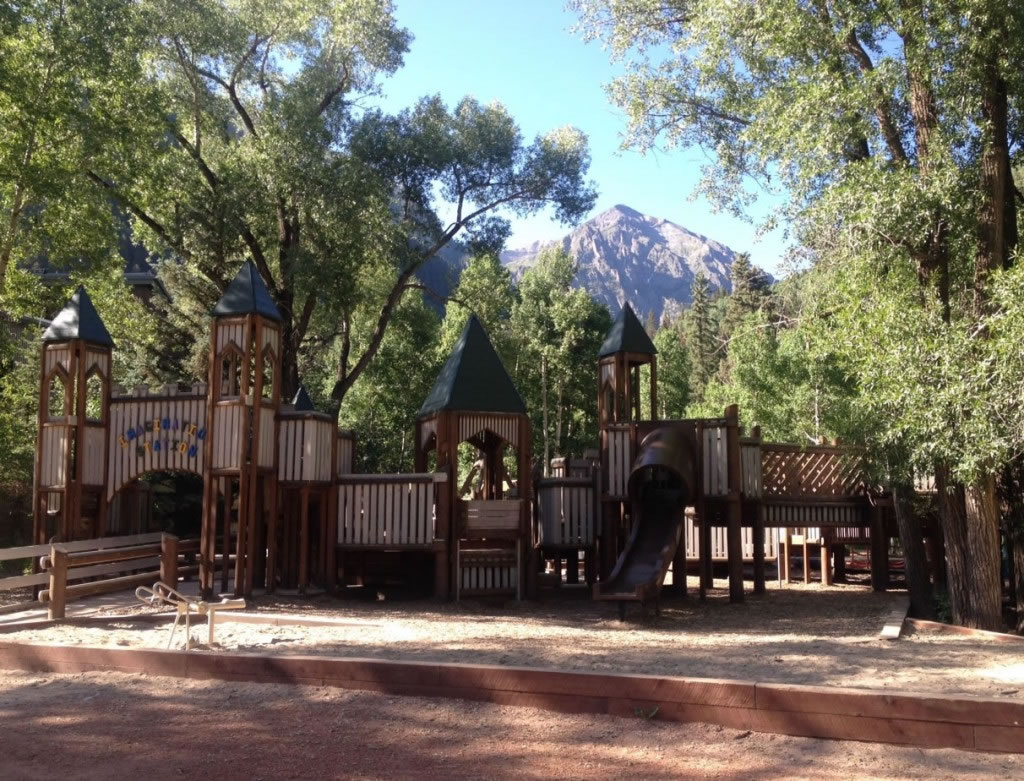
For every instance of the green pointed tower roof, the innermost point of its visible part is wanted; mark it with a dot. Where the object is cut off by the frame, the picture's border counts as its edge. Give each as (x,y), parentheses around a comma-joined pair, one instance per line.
(474,378)
(627,336)
(302,402)
(78,320)
(247,295)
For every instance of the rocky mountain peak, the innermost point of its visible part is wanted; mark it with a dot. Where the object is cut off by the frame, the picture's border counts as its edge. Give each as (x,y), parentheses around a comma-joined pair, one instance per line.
(625,255)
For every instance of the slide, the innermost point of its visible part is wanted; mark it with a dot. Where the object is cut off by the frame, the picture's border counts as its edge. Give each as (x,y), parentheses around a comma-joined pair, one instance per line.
(661,484)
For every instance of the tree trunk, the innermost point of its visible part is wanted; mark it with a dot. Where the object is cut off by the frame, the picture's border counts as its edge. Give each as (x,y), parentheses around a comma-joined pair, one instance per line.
(971,531)
(914,556)
(544,413)
(1011,486)
(982,517)
(558,418)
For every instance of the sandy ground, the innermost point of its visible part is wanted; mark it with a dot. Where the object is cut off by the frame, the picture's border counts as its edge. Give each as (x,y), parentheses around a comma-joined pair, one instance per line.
(801,634)
(114,725)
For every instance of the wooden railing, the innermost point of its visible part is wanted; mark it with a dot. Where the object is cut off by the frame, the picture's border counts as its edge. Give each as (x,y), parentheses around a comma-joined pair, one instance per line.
(619,458)
(781,512)
(720,545)
(716,461)
(815,471)
(387,510)
(156,554)
(484,517)
(30,553)
(568,511)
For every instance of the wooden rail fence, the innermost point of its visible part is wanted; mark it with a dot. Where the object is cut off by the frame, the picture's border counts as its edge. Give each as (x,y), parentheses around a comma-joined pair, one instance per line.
(160,557)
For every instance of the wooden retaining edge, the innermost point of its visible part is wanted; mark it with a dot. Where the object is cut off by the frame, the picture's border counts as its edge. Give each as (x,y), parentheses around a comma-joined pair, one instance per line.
(916,719)
(964,631)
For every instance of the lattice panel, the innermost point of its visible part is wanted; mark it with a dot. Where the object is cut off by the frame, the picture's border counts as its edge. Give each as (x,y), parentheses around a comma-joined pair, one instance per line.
(814,471)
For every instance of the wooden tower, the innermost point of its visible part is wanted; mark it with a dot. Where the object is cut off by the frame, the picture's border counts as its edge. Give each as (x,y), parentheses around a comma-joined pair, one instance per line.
(488,546)
(74,410)
(620,407)
(244,398)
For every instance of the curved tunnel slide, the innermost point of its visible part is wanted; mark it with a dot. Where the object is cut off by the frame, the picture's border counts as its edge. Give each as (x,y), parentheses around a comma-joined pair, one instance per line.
(661,484)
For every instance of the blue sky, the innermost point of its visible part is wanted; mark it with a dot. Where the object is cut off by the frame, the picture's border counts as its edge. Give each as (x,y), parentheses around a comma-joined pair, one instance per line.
(521,53)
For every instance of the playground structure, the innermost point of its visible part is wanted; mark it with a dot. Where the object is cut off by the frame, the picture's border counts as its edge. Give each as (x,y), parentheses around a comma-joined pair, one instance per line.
(282,507)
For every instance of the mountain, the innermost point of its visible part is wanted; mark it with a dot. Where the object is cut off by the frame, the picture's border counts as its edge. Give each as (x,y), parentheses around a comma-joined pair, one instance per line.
(624,255)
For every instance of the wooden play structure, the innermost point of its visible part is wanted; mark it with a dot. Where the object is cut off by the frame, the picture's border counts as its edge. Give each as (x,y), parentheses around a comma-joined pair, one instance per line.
(282,507)
(736,498)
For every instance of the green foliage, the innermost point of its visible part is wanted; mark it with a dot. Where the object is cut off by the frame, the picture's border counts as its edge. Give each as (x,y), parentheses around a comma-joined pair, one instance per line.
(70,98)
(382,405)
(701,334)
(558,330)
(674,372)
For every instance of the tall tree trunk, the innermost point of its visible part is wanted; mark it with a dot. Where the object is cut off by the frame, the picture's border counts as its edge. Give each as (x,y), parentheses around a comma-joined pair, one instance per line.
(544,413)
(983,608)
(1011,490)
(971,530)
(914,557)
(982,524)
(558,417)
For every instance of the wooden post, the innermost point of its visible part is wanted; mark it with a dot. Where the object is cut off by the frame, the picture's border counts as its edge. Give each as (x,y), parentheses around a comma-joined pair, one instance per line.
(786,551)
(839,563)
(227,490)
(679,567)
(58,582)
(826,565)
(806,552)
(272,511)
(735,517)
(303,539)
(879,551)
(332,538)
(169,560)
(759,568)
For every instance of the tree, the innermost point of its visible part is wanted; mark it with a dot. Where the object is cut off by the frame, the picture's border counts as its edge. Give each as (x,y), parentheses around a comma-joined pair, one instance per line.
(701,334)
(749,290)
(558,330)
(887,126)
(674,372)
(485,289)
(71,86)
(260,153)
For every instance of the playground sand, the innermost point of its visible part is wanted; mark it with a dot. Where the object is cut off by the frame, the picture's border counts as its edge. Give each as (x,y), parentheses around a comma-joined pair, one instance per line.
(800,634)
(116,725)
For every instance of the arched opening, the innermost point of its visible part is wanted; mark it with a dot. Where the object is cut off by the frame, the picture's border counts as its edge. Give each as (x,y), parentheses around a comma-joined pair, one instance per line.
(488,468)
(95,390)
(159,502)
(231,372)
(57,395)
(267,368)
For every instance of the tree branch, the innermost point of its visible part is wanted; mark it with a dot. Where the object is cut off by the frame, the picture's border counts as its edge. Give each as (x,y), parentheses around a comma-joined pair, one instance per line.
(135,209)
(883,107)
(339,88)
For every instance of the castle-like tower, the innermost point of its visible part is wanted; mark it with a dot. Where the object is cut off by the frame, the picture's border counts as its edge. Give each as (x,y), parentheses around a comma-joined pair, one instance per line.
(244,398)
(620,406)
(74,411)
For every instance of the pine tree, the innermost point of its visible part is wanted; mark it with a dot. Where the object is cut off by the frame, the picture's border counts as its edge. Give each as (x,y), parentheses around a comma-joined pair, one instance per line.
(749,290)
(701,343)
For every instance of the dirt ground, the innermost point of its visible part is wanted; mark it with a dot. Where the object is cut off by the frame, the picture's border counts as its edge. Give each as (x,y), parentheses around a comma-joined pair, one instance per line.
(801,634)
(115,725)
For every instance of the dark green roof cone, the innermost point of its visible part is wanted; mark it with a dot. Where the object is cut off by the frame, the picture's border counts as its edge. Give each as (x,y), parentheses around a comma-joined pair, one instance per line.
(627,336)
(474,378)
(247,295)
(302,402)
(79,320)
